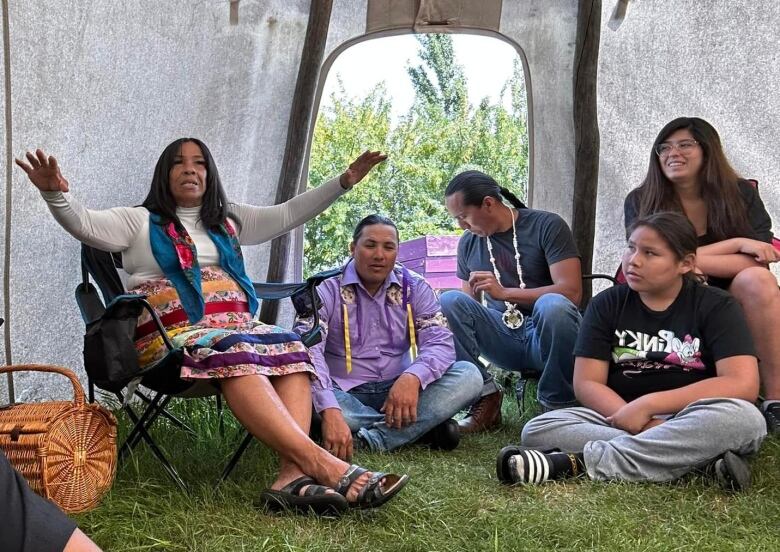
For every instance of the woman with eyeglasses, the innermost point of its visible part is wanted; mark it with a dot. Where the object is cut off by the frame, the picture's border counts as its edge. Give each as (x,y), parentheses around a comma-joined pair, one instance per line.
(689,173)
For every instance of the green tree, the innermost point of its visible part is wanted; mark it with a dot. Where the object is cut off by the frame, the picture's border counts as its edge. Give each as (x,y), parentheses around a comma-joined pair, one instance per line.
(448,93)
(441,135)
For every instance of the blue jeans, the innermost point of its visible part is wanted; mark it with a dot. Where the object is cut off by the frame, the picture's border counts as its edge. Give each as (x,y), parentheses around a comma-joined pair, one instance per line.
(543,345)
(455,390)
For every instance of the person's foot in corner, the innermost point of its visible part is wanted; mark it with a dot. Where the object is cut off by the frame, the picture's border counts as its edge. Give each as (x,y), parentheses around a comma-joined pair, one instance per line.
(732,472)
(484,414)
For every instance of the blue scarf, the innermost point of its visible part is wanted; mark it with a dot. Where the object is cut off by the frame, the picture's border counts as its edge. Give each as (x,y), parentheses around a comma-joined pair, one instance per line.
(175,252)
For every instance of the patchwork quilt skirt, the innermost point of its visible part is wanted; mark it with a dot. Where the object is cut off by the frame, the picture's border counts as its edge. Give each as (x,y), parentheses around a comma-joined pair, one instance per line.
(226,342)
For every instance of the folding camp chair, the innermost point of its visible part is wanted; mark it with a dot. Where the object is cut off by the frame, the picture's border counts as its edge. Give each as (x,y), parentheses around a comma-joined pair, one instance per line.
(109,341)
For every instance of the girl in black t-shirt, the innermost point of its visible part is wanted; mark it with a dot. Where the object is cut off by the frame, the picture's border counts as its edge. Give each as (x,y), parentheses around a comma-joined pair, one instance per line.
(665,372)
(689,173)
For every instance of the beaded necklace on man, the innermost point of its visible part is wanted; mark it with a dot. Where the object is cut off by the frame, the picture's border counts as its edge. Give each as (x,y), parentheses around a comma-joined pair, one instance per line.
(512,317)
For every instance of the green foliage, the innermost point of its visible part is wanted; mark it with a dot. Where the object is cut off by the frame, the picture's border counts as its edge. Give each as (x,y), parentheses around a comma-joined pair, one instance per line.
(442,134)
(448,94)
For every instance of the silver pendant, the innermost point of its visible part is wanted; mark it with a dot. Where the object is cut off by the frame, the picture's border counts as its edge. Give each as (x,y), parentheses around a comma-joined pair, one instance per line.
(512,317)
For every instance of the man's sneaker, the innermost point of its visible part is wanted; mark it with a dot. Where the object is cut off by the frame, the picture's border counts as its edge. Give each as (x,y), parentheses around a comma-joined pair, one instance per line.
(732,472)
(444,436)
(484,414)
(772,415)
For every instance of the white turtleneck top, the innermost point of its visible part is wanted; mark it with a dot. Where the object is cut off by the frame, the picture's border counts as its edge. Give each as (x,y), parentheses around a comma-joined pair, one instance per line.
(126,229)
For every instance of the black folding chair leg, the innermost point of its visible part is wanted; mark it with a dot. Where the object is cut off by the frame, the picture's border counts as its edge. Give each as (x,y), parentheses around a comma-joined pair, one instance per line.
(127,446)
(520,394)
(236,457)
(220,415)
(151,413)
(168,416)
(139,432)
(158,453)
(167,466)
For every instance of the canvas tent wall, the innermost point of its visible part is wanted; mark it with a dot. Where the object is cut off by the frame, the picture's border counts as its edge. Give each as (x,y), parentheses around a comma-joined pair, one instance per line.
(710,59)
(106,85)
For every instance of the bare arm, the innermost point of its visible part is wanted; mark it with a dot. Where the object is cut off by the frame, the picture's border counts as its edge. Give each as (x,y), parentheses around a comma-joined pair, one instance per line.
(590,386)
(737,378)
(727,258)
(336,435)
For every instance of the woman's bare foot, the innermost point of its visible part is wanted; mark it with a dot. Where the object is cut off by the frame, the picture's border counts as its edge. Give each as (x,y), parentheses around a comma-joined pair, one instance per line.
(331,469)
(288,473)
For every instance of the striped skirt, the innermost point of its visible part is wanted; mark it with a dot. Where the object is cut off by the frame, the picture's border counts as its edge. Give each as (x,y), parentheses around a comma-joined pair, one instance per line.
(226,342)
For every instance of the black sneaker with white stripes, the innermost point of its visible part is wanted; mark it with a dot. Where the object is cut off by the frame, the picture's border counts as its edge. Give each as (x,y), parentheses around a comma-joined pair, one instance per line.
(531,467)
(526,465)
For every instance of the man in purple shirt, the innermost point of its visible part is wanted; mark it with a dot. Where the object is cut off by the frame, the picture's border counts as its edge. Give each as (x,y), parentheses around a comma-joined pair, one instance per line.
(371,388)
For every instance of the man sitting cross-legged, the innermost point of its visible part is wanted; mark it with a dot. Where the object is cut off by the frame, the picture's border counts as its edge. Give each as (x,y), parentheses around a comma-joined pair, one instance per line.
(386,366)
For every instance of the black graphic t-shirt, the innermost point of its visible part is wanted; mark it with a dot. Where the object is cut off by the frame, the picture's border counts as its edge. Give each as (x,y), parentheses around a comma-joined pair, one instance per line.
(651,351)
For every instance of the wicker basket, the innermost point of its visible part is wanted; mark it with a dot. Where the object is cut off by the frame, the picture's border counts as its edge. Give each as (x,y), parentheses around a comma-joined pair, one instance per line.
(65,450)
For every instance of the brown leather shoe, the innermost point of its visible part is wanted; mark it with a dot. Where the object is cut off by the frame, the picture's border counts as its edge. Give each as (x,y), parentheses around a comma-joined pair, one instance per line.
(484,414)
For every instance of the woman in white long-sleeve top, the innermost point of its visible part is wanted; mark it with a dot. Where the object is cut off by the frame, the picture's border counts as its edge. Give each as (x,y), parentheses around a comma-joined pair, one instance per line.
(182,249)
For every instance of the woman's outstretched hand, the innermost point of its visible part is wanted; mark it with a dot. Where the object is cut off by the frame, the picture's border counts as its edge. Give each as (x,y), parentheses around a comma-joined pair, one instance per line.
(43,171)
(359,168)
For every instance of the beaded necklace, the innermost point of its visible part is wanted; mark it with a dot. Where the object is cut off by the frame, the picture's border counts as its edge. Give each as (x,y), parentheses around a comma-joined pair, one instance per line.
(512,316)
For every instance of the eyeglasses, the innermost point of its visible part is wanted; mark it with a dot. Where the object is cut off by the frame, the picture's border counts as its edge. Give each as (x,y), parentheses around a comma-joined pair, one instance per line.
(685,147)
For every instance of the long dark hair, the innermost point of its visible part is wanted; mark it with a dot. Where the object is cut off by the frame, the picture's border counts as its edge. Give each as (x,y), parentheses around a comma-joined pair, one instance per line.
(371,220)
(213,209)
(475,186)
(676,230)
(726,211)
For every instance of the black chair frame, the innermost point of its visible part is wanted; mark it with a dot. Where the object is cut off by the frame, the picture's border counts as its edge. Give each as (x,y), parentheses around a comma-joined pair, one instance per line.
(163,379)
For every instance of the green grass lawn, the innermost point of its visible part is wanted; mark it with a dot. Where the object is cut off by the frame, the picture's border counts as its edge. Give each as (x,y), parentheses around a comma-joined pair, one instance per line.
(453,502)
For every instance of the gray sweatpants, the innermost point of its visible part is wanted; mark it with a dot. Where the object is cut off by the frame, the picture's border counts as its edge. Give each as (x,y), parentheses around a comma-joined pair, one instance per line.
(692,438)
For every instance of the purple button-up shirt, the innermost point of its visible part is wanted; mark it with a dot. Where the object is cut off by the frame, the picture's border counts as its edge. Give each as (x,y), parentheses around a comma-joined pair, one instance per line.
(379,334)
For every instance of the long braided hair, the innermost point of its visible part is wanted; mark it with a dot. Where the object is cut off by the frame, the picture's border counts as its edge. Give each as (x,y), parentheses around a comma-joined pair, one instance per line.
(475,186)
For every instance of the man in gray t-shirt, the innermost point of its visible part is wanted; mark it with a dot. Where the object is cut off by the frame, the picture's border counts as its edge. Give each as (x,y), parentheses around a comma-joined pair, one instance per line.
(531,286)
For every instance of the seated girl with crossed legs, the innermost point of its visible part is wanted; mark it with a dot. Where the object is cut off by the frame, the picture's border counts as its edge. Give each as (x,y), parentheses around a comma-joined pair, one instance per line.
(666,374)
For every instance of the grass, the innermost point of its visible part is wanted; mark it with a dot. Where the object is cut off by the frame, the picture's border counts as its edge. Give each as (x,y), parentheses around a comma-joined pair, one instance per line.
(452,503)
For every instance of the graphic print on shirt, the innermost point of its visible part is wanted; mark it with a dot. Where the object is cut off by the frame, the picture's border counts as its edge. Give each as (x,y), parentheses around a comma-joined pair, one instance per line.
(637,352)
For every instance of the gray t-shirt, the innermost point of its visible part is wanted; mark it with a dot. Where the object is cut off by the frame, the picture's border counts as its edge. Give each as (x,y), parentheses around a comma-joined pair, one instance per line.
(543,239)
